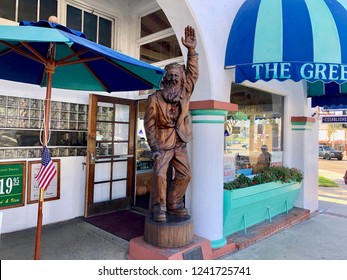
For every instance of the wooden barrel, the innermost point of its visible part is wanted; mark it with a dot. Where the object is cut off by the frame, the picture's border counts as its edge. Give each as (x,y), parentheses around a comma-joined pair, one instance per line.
(176,232)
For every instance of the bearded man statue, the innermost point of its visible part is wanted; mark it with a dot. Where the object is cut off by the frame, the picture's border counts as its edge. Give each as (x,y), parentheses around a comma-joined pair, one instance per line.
(168,131)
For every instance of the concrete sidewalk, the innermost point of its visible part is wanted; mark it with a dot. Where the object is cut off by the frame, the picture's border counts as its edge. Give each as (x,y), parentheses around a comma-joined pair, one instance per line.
(323,236)
(71,240)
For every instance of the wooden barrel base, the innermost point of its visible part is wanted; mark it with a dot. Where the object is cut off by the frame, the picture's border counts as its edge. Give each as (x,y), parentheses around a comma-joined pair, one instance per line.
(176,232)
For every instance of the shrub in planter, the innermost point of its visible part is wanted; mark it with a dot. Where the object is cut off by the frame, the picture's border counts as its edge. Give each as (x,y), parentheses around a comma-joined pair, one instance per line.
(248,201)
(270,174)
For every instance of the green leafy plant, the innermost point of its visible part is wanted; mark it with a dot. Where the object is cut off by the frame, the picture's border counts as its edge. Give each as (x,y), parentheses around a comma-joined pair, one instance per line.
(270,174)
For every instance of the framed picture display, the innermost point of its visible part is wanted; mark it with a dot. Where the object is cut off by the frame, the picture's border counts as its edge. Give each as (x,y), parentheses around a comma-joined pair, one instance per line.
(53,190)
(12,184)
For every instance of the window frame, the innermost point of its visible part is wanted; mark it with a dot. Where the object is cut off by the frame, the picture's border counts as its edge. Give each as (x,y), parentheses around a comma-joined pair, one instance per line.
(154,37)
(99,13)
(37,10)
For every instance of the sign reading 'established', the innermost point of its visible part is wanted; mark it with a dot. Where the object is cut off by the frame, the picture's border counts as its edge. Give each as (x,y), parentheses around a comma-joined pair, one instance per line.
(335,119)
(12,184)
(326,72)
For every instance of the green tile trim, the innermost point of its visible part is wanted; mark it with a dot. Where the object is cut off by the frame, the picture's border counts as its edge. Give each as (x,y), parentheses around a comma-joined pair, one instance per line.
(215,244)
(302,123)
(209,121)
(208,112)
(300,128)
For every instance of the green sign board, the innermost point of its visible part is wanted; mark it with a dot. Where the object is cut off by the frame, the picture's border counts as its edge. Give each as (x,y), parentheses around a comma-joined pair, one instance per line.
(12,184)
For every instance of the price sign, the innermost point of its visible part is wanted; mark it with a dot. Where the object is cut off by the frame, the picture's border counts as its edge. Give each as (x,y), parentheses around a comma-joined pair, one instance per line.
(12,184)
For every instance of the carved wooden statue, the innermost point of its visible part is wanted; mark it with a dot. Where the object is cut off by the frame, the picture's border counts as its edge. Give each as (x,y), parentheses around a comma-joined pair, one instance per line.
(168,131)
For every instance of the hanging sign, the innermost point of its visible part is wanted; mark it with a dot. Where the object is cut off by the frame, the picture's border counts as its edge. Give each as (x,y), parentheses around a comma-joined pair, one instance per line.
(335,119)
(12,184)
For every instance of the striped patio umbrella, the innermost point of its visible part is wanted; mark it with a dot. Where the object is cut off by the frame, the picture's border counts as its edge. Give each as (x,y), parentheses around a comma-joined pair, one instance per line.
(53,56)
(289,39)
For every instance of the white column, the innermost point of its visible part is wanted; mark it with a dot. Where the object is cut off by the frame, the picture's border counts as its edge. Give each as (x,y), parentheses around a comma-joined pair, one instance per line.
(207,174)
(305,154)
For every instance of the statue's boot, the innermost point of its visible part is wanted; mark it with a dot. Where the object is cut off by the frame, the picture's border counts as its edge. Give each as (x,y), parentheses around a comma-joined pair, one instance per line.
(159,213)
(178,210)
(182,212)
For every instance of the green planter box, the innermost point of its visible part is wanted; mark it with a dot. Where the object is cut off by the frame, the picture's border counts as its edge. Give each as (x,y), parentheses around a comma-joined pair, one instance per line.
(245,207)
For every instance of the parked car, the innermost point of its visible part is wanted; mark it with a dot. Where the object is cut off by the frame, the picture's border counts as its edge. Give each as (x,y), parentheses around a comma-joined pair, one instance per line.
(328,152)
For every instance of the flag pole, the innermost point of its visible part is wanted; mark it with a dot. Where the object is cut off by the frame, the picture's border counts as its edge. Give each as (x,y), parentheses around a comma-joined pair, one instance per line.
(49,70)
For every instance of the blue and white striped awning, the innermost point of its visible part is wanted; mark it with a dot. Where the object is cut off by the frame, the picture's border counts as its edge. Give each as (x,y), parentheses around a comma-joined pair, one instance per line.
(289,39)
(330,96)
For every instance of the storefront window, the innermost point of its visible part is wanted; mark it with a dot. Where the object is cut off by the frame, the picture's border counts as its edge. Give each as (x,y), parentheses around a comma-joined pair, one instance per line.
(254,134)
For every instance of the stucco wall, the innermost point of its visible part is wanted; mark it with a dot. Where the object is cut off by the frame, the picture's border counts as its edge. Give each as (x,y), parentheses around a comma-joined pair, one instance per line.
(70,204)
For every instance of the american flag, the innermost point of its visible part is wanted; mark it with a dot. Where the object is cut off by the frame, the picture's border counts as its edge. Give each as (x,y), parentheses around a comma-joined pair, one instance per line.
(47,170)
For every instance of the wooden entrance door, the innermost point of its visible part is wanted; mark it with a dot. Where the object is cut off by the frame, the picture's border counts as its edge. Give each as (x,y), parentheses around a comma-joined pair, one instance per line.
(110,155)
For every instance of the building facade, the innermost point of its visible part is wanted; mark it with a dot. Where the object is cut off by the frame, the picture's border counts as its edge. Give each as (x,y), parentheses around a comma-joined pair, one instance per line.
(276,114)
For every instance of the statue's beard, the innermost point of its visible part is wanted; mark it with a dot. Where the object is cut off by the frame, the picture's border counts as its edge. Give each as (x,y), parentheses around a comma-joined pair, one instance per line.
(171,92)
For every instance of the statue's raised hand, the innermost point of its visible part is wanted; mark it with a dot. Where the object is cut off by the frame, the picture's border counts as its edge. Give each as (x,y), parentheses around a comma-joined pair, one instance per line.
(189,41)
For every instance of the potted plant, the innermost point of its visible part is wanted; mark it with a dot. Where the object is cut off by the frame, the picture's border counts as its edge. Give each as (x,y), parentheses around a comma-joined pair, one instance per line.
(248,201)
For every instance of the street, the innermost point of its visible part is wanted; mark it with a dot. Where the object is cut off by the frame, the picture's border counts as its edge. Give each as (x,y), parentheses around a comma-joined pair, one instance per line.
(333,165)
(330,199)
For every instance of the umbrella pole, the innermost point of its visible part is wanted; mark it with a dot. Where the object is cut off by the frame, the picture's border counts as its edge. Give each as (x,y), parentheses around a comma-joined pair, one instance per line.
(39,225)
(45,139)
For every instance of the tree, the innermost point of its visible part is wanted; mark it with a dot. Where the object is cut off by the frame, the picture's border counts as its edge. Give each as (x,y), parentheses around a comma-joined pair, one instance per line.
(331,129)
